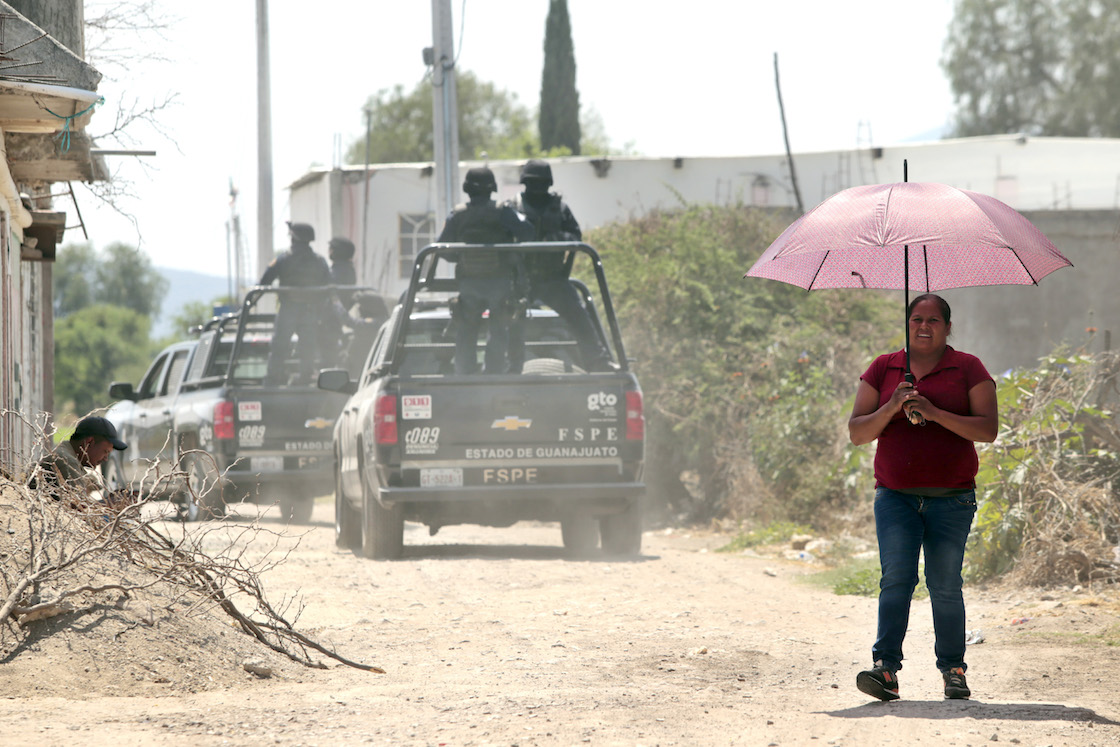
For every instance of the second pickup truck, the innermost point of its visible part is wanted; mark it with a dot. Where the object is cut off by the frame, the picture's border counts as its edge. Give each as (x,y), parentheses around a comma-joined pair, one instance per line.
(206,427)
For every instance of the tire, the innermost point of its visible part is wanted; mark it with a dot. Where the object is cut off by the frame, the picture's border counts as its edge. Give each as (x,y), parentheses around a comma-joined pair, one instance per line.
(581,534)
(347,521)
(113,474)
(622,533)
(382,528)
(296,509)
(204,491)
(549,366)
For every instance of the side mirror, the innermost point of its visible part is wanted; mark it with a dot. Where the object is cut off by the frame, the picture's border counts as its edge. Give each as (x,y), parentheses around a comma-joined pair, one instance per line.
(122,390)
(337,380)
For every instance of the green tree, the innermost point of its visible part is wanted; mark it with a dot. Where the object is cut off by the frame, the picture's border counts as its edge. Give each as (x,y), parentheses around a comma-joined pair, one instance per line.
(74,275)
(126,277)
(559,122)
(94,346)
(1040,68)
(121,276)
(491,120)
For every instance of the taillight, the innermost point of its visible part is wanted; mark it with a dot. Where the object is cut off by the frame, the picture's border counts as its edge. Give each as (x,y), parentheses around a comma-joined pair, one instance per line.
(385,419)
(635,418)
(223,419)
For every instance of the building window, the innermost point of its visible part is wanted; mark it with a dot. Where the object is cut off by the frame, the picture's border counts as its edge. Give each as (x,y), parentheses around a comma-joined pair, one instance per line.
(417,230)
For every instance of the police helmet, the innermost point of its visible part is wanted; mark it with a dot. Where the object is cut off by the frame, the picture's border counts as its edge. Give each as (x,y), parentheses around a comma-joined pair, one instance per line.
(301,231)
(538,171)
(341,248)
(480,180)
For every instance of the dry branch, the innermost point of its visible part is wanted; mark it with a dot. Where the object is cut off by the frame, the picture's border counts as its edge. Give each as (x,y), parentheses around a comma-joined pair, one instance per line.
(58,535)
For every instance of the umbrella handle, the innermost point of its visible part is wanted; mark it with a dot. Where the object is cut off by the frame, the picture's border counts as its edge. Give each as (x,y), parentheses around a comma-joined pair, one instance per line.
(915,418)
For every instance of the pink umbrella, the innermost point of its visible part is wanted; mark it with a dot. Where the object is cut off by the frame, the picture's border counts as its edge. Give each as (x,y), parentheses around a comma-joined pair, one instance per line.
(862,238)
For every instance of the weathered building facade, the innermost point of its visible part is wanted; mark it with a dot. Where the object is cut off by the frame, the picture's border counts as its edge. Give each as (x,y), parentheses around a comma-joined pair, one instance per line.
(47,96)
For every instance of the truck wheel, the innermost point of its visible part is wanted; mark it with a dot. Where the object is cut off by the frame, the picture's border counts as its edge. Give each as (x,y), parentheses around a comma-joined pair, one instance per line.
(581,534)
(622,533)
(113,474)
(296,509)
(347,522)
(382,528)
(204,491)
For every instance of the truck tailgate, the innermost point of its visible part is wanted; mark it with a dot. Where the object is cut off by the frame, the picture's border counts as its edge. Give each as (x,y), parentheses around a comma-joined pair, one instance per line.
(285,428)
(524,431)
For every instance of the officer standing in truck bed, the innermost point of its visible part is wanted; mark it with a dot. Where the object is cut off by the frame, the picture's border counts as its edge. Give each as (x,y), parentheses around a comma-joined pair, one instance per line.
(548,272)
(300,267)
(487,279)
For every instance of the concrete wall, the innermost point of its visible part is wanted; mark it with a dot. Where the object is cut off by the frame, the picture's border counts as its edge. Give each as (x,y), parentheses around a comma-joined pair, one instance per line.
(1013,326)
(62,19)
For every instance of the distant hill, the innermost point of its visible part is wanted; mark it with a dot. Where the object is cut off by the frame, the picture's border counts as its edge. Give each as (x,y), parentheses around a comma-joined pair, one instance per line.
(185,286)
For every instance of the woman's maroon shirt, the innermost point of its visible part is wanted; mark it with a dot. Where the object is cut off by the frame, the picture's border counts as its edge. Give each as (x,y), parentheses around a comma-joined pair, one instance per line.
(930,456)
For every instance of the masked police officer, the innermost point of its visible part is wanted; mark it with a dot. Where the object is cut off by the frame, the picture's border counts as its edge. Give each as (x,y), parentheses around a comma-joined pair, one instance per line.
(487,279)
(300,267)
(548,272)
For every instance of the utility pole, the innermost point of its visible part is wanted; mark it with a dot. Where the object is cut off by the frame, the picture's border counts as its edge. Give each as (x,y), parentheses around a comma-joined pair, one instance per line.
(444,109)
(785,134)
(365,198)
(265,248)
(236,251)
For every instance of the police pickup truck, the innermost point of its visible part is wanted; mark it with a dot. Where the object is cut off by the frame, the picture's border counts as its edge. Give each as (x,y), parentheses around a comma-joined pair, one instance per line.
(554,442)
(206,426)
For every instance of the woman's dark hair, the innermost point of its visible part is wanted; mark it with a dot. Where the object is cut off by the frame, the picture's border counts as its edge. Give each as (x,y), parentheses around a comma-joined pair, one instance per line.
(945,310)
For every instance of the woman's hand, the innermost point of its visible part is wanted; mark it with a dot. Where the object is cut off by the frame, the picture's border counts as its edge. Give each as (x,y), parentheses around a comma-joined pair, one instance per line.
(903,394)
(868,418)
(916,406)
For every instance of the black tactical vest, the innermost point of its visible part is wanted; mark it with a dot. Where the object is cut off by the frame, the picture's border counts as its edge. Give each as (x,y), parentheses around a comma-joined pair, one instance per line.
(480,224)
(547,219)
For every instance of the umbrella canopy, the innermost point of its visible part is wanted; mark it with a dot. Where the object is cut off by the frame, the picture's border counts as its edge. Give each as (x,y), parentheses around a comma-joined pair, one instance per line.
(955,238)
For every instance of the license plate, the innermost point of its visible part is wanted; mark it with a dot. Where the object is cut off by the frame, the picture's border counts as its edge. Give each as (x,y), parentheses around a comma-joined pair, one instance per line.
(441,478)
(266,463)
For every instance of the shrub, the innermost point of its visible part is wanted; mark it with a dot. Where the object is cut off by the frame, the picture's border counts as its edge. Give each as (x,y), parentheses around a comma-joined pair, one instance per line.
(747,382)
(1047,507)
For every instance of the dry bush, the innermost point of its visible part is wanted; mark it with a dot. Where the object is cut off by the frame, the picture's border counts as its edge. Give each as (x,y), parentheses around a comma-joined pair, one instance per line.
(63,554)
(1048,511)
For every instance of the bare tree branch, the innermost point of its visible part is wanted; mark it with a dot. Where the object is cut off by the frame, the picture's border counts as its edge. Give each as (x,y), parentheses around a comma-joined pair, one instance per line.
(66,535)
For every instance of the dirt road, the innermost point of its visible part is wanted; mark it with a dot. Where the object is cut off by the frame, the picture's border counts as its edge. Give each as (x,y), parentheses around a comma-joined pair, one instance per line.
(494,637)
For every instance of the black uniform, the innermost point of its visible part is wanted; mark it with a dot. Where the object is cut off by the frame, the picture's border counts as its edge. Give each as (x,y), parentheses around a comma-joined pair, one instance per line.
(299,268)
(548,273)
(488,279)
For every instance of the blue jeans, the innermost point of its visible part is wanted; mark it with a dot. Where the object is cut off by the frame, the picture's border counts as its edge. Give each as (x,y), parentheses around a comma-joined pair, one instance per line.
(904,524)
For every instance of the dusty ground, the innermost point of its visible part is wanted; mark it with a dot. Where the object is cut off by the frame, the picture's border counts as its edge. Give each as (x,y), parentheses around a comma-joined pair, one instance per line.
(492,636)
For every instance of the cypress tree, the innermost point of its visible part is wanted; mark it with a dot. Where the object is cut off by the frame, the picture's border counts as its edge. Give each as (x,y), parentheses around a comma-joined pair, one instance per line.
(559,117)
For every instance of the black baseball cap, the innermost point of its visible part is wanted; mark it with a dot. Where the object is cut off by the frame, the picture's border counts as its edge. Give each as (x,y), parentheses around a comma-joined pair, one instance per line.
(95,425)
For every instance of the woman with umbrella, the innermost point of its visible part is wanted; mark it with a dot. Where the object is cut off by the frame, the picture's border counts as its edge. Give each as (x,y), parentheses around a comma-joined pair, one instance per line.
(925,485)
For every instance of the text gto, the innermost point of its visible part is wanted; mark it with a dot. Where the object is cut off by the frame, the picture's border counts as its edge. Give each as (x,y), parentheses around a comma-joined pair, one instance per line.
(505,476)
(588,434)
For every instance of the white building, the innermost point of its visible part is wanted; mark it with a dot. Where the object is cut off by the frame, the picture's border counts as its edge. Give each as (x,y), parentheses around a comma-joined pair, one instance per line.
(389,215)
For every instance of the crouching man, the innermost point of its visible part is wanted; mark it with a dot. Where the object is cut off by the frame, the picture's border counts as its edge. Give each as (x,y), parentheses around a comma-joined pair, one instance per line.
(71,469)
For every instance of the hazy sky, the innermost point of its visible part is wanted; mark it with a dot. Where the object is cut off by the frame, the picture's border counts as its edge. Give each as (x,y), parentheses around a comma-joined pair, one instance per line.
(680,79)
